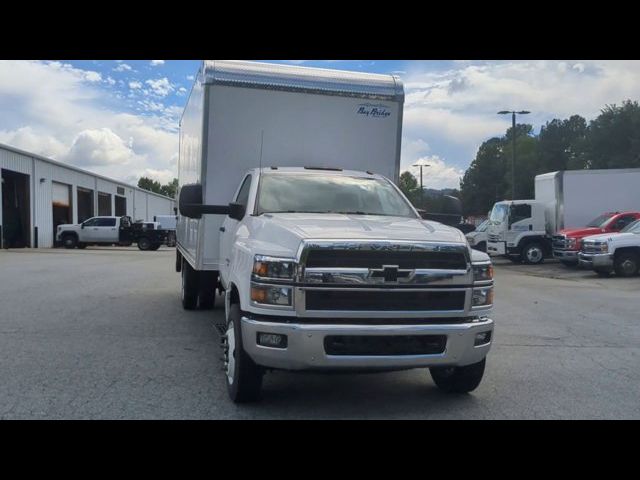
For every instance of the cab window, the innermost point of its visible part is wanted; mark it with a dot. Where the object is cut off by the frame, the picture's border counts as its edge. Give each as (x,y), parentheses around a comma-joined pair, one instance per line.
(243,194)
(623,221)
(92,222)
(520,212)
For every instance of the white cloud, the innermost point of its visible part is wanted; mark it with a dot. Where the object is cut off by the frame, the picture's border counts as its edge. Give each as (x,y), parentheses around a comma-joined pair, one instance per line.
(102,147)
(191,77)
(438,174)
(160,87)
(181,91)
(54,110)
(135,85)
(123,67)
(110,81)
(157,63)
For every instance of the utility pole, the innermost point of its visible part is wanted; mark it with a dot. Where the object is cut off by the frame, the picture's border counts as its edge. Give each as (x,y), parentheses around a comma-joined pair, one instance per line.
(421,191)
(513,157)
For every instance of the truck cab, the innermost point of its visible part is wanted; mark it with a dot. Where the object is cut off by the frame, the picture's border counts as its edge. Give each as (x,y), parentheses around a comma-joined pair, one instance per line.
(478,238)
(567,242)
(517,229)
(325,269)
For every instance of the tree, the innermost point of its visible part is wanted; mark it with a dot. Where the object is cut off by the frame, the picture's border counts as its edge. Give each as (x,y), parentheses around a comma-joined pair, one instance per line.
(170,188)
(484,181)
(409,186)
(561,145)
(613,138)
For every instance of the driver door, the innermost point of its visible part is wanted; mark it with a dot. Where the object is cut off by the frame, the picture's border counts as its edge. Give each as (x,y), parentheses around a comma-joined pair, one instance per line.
(229,228)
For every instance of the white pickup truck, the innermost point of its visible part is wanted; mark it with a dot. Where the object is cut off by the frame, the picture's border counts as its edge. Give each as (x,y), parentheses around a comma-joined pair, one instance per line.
(326,266)
(619,252)
(94,231)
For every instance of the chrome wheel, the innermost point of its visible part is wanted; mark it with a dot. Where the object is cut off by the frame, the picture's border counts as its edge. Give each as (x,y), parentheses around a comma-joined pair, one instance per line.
(230,352)
(628,266)
(533,254)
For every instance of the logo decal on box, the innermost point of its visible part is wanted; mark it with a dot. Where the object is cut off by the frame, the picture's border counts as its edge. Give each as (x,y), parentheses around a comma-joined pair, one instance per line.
(375,111)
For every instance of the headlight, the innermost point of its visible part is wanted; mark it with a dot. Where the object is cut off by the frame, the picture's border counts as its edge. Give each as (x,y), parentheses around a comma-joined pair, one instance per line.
(482,297)
(273,267)
(272,295)
(603,247)
(483,272)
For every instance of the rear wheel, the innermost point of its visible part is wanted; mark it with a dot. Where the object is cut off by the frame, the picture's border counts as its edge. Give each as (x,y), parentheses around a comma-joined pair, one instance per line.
(244,377)
(70,241)
(144,243)
(533,253)
(626,264)
(189,287)
(458,379)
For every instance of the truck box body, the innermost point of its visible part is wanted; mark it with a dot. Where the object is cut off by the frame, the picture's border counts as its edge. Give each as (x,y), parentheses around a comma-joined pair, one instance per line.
(241,115)
(573,198)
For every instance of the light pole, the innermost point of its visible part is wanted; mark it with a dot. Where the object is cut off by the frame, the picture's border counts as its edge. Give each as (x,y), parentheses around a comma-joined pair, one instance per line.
(513,157)
(421,192)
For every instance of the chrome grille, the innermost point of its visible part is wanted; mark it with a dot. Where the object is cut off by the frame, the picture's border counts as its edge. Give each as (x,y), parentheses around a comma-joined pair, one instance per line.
(559,242)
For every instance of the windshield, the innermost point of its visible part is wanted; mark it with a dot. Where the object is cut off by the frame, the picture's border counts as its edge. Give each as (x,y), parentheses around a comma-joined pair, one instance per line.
(318,193)
(633,227)
(482,227)
(499,213)
(599,222)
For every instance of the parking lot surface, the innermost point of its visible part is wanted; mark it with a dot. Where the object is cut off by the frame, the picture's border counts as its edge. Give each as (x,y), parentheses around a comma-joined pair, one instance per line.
(100,334)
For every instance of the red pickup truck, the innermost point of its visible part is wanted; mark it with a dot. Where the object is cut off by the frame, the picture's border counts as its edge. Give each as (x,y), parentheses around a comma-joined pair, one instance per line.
(568,242)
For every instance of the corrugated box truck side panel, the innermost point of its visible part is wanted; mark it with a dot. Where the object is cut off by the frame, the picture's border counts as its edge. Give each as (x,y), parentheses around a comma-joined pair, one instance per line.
(546,191)
(190,164)
(293,129)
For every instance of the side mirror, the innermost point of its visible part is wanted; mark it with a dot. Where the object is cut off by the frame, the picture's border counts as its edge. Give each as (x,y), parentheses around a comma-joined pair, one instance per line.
(190,203)
(237,211)
(190,200)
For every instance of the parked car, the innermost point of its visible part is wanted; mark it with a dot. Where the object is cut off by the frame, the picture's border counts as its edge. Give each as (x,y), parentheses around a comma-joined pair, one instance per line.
(478,238)
(567,243)
(618,252)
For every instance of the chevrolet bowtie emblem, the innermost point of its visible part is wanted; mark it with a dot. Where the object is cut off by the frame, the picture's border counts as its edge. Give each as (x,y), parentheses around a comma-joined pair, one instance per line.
(390,273)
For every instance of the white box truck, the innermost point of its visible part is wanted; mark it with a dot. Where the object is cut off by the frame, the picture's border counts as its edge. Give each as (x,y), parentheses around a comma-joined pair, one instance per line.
(523,229)
(287,204)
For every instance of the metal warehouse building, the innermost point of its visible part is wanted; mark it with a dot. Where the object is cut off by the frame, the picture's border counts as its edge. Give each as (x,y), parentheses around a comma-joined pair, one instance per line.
(37,194)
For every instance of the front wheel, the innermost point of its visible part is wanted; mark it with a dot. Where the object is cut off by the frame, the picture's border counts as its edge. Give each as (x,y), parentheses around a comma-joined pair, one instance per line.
(70,241)
(244,377)
(458,379)
(626,264)
(533,253)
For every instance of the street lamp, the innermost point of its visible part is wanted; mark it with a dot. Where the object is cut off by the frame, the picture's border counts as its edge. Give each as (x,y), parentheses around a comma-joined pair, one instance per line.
(421,192)
(513,158)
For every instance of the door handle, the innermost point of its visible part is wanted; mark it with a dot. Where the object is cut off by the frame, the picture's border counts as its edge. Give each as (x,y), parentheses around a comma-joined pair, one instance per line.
(222,229)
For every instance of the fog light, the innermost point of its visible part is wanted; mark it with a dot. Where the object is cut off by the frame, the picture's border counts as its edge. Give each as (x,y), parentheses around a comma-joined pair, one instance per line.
(273,340)
(482,338)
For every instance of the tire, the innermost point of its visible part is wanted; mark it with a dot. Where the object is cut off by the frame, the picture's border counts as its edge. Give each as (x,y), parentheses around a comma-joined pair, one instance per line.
(603,273)
(515,258)
(626,264)
(458,379)
(69,241)
(178,261)
(243,376)
(189,290)
(207,290)
(532,253)
(155,247)
(144,243)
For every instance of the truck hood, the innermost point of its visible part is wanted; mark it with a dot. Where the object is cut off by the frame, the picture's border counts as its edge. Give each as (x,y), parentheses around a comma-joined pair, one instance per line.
(291,228)
(68,226)
(604,237)
(580,232)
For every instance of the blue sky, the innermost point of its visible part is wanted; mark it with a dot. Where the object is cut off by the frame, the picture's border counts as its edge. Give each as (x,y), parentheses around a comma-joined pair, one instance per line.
(120,117)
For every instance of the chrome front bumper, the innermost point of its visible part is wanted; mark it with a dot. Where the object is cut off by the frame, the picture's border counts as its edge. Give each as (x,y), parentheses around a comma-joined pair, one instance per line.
(596,260)
(305,345)
(566,255)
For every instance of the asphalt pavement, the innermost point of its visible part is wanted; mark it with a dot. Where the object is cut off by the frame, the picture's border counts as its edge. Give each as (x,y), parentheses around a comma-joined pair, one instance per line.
(100,334)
